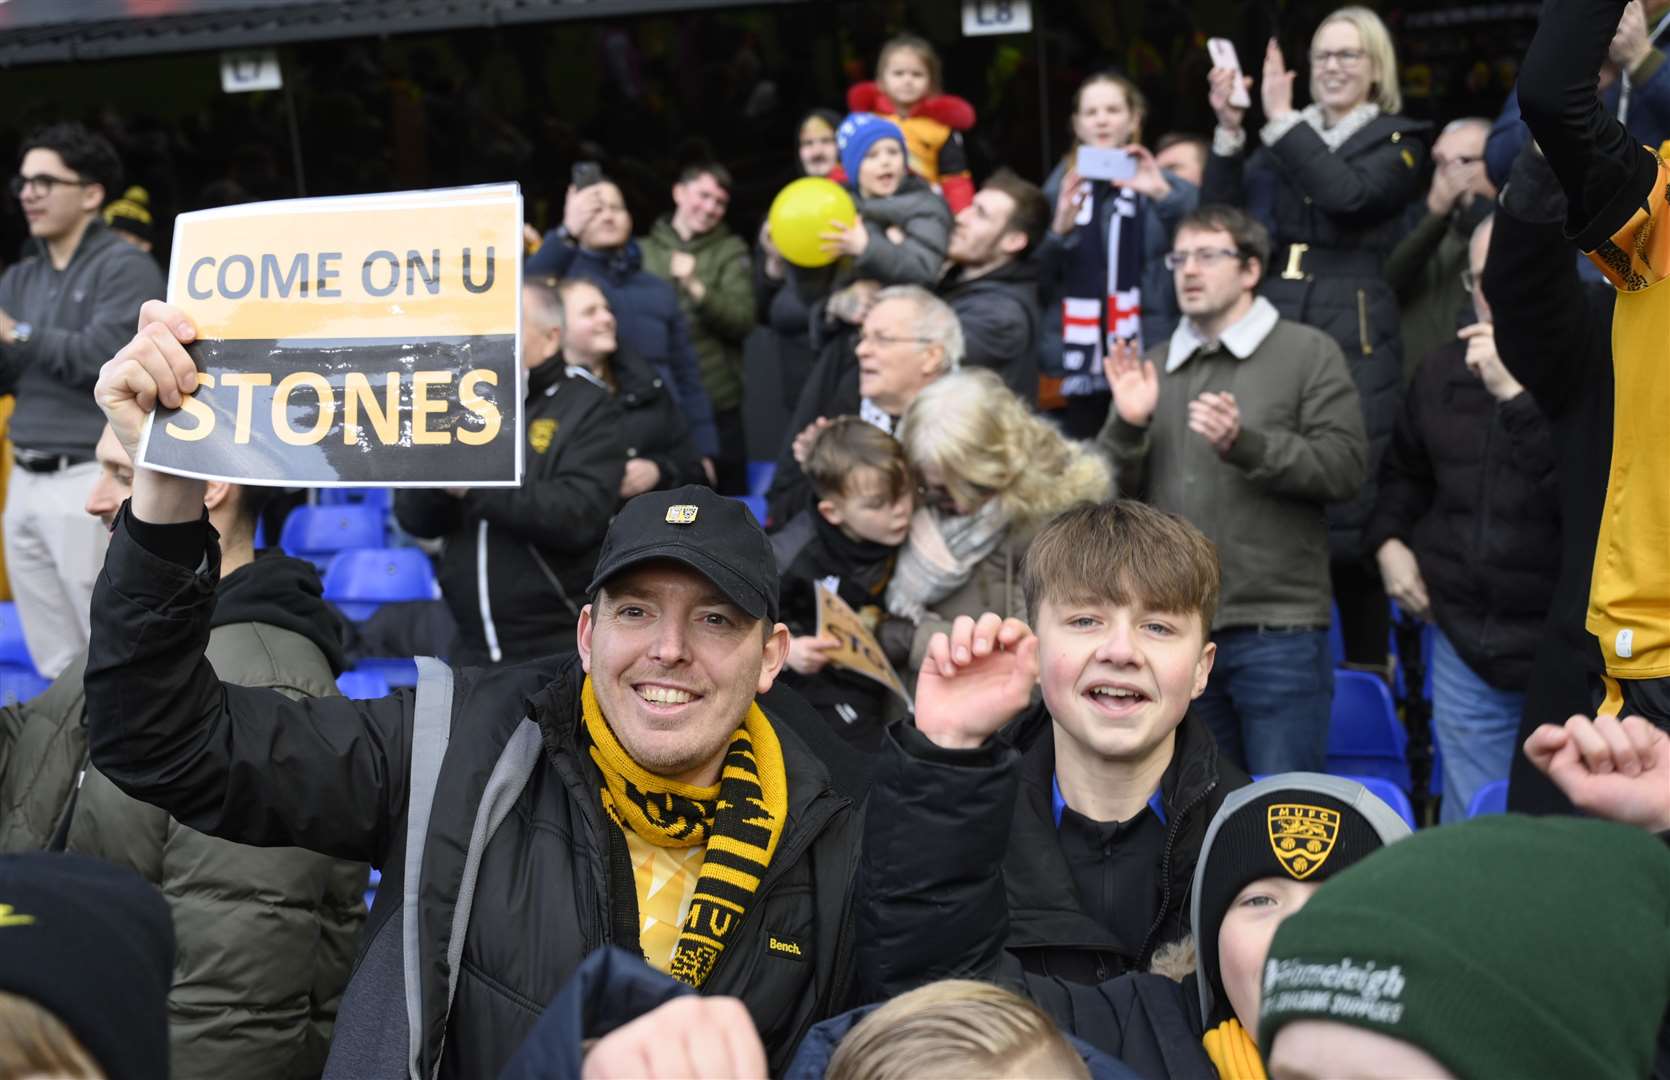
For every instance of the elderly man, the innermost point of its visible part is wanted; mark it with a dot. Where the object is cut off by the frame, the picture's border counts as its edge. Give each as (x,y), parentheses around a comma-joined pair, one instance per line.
(696,251)
(645,793)
(265,934)
(910,337)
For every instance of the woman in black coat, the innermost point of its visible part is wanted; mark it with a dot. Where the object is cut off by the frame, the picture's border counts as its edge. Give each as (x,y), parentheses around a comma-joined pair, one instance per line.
(659,451)
(1332,181)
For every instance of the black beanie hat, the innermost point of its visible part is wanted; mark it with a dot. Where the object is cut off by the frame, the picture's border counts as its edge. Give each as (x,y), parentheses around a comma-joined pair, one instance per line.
(132,213)
(92,943)
(1303,826)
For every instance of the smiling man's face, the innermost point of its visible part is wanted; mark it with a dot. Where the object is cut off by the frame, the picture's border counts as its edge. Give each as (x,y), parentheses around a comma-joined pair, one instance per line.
(675,666)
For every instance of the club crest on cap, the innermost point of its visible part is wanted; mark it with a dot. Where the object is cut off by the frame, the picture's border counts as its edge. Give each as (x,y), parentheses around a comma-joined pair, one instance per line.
(681,514)
(1302,836)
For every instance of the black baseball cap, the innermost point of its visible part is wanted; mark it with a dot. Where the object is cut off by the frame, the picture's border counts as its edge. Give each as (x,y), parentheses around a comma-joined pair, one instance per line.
(694,525)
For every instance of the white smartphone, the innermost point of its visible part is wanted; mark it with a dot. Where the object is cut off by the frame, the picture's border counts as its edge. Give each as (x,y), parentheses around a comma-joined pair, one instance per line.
(1105,163)
(1222,51)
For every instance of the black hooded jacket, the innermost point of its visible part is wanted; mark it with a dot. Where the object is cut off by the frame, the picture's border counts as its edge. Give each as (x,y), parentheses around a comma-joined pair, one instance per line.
(286,593)
(1001,316)
(919,787)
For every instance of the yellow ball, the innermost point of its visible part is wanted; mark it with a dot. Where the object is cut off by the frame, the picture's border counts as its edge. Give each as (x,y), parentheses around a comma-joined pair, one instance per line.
(802,212)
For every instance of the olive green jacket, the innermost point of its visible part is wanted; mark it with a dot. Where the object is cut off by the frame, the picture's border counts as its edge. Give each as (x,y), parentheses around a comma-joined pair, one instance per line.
(724,318)
(266,936)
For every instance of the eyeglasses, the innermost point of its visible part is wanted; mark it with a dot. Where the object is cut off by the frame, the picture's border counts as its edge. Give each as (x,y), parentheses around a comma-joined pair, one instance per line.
(886,340)
(1469,280)
(42,184)
(1206,257)
(1344,57)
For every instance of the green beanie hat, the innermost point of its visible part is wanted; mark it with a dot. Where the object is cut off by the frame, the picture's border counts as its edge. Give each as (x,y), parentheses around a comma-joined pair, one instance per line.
(1502,946)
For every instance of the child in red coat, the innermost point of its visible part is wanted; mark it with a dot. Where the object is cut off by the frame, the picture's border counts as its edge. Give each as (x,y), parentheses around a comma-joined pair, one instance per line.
(907,90)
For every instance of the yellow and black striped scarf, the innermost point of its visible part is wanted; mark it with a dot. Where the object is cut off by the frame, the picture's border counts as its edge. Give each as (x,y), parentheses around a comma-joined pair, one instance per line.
(740,819)
(1233,1052)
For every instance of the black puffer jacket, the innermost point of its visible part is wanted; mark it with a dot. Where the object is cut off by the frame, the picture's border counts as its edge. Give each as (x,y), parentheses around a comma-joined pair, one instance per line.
(515,804)
(541,538)
(1469,485)
(830,390)
(1001,317)
(917,784)
(1347,206)
(652,426)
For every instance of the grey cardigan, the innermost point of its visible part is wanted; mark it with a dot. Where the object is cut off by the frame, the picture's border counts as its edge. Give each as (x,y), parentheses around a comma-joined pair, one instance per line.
(1302,445)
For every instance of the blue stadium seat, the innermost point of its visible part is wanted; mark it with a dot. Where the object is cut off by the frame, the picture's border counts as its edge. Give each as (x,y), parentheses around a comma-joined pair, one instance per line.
(362,684)
(359,582)
(371,887)
(1388,793)
(381,498)
(1365,737)
(17,685)
(1490,799)
(760,474)
(318,532)
(393,670)
(755,504)
(14,651)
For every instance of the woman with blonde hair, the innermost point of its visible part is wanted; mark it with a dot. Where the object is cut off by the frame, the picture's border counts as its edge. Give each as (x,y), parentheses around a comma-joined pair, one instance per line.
(1331,181)
(990,473)
(1102,264)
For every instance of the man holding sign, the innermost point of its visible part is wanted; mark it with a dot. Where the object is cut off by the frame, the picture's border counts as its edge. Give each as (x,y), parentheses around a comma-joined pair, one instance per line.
(648,793)
(334,350)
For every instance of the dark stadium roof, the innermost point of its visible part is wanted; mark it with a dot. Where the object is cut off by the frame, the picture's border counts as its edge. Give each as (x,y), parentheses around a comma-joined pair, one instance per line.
(53,31)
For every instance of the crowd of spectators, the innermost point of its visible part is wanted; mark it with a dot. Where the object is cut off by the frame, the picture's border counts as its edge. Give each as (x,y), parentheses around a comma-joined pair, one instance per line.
(1124,472)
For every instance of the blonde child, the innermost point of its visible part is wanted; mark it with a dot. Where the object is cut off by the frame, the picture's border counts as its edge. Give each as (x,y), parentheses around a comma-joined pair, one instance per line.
(907,90)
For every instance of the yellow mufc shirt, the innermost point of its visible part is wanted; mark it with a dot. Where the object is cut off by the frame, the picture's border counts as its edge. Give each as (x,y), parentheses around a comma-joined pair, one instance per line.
(1629,593)
(666,880)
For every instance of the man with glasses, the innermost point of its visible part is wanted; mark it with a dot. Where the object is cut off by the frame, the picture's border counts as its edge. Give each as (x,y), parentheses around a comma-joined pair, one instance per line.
(1425,268)
(64,310)
(910,337)
(1247,425)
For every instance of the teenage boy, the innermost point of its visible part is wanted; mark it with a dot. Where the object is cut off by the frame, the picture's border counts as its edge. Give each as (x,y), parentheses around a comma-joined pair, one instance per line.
(848,542)
(1118,780)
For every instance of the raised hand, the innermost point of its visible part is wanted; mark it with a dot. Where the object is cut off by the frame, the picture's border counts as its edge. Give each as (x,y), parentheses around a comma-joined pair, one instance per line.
(1221,87)
(1149,180)
(1135,383)
(1276,87)
(154,368)
(1484,361)
(1619,770)
(1074,190)
(579,206)
(975,679)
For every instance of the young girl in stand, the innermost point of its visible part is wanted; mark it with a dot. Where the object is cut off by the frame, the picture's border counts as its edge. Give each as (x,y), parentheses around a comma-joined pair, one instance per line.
(907,91)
